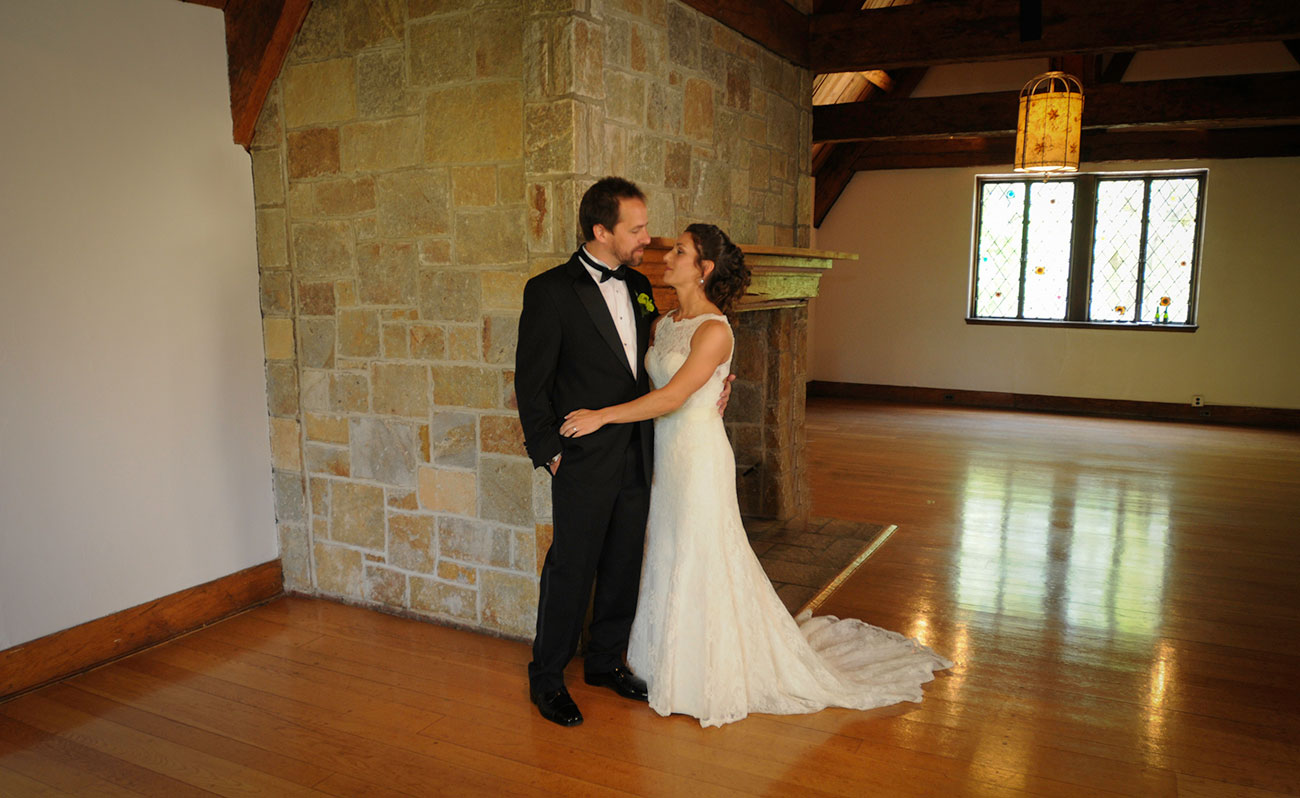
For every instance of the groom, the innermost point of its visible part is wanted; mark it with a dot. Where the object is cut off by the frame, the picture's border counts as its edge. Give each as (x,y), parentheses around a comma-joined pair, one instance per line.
(583,334)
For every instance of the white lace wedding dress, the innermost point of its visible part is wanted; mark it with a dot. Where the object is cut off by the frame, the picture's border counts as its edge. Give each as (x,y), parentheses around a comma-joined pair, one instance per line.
(711,638)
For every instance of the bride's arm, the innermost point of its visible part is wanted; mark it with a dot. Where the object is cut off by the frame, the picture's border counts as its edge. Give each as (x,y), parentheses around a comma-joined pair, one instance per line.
(710,347)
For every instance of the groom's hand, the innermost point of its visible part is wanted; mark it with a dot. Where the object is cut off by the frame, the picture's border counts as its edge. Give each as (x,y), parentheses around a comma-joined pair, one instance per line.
(554,465)
(726,393)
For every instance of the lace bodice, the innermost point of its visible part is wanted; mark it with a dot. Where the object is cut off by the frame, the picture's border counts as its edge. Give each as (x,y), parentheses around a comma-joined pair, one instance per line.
(671,347)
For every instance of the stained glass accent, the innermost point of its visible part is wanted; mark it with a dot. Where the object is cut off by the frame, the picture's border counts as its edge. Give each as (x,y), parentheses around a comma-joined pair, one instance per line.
(1171,246)
(1047,263)
(997,270)
(1040,215)
(1117,250)
(1143,243)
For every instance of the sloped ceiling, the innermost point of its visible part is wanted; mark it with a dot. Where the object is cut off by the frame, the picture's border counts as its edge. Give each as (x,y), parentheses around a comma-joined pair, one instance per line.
(869,56)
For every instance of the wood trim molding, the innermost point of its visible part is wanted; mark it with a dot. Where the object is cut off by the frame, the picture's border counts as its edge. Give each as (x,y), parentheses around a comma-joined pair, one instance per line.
(57,656)
(1285,418)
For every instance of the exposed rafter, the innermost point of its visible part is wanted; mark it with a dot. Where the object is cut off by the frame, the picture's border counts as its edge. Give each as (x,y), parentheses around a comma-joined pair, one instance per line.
(258,36)
(1293,47)
(1115,68)
(1233,100)
(960,31)
(1104,145)
(838,162)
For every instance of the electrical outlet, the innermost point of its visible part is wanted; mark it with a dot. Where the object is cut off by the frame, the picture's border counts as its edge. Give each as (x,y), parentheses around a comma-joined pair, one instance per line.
(1198,401)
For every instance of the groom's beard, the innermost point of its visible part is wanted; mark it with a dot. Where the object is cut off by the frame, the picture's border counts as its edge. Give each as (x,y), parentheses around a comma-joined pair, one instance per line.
(632,258)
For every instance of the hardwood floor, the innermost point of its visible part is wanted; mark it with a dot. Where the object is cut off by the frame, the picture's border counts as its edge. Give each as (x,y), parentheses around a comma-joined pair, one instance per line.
(1120,598)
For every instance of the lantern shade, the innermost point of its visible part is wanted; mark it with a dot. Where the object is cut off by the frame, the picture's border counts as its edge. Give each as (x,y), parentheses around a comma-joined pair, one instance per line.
(1051,115)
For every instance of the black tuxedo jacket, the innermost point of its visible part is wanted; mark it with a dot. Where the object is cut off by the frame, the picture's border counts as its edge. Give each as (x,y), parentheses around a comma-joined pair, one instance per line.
(570,357)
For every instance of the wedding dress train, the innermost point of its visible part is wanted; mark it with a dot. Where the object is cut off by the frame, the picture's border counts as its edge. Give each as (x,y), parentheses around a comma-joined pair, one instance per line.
(711,638)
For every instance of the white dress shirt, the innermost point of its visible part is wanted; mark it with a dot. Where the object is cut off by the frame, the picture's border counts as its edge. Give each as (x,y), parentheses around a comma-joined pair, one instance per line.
(619,301)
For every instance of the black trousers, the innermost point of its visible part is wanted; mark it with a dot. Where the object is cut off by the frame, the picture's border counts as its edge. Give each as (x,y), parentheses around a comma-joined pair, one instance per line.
(599,535)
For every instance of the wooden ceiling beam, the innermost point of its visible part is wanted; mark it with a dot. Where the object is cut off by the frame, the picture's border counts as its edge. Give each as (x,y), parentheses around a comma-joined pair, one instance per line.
(1293,47)
(960,31)
(833,177)
(774,24)
(835,164)
(1232,101)
(905,82)
(1114,70)
(835,6)
(1105,145)
(259,34)
(1083,67)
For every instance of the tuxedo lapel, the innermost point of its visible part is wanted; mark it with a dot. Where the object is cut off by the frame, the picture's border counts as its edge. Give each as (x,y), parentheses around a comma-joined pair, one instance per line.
(594,303)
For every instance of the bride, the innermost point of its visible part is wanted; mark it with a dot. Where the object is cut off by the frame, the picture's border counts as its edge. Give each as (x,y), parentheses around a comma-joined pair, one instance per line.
(711,638)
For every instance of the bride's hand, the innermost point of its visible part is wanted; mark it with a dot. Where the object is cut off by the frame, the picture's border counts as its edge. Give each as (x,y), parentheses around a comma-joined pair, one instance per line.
(581,422)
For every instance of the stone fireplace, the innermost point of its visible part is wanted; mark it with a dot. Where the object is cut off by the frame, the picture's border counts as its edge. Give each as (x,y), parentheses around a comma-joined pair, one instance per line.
(415,163)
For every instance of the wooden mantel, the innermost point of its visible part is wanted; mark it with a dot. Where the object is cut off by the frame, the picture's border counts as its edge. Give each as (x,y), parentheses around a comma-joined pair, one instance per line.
(781,276)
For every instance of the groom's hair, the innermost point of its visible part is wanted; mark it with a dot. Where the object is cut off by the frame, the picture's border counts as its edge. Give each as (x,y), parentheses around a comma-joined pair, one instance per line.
(600,204)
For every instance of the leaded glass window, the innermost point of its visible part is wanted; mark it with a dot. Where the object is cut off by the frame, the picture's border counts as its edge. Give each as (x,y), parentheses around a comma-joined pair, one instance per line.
(1091,248)
(1024,250)
(1001,237)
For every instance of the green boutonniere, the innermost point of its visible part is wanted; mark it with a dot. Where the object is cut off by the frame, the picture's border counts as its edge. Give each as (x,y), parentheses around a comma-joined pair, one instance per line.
(647,304)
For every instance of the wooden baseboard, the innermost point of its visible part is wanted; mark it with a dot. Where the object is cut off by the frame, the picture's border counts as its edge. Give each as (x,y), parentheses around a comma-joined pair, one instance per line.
(1284,418)
(47,659)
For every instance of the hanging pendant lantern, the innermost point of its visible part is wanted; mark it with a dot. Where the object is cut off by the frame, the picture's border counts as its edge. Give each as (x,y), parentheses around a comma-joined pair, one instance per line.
(1051,114)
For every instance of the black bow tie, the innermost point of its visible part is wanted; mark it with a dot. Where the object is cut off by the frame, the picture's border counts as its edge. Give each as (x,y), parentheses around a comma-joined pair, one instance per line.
(618,274)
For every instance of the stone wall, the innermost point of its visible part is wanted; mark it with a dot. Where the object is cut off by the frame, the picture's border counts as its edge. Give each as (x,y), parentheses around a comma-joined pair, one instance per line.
(713,127)
(419,159)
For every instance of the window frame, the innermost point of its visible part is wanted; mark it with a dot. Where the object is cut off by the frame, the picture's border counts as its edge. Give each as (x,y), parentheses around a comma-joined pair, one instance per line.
(1082,231)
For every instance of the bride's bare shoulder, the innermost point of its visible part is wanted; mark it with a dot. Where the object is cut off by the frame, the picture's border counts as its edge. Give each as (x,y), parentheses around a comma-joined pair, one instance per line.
(714,336)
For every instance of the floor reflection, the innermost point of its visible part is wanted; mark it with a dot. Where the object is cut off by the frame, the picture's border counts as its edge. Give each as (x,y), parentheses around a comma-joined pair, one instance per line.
(1081,557)
(1005,516)
(1087,550)
(1119,554)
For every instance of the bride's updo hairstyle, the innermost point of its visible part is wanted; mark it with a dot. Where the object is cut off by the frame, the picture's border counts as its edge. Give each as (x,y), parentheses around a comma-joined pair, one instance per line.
(730,276)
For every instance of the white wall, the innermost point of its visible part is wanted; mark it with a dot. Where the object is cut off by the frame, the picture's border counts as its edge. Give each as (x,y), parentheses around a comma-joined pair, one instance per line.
(134,455)
(897,316)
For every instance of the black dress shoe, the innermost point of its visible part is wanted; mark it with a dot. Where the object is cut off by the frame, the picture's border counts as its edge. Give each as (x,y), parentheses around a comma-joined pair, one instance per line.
(557,707)
(621,681)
